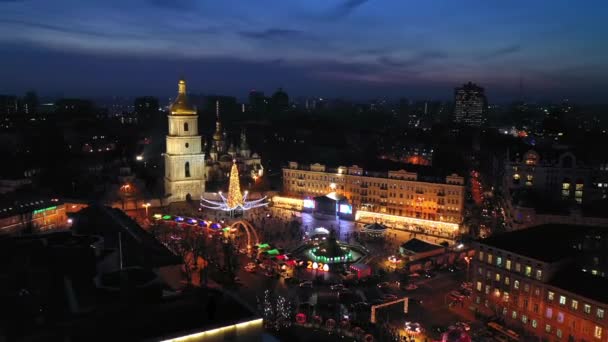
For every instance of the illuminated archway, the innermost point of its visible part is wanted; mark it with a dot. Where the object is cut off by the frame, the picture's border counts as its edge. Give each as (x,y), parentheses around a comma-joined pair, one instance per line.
(249,230)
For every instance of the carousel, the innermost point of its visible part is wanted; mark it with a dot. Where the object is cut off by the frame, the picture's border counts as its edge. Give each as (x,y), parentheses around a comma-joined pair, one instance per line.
(375,230)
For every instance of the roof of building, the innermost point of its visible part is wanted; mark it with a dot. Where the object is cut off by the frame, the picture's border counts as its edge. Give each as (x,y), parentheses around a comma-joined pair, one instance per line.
(141,248)
(182,105)
(574,280)
(12,205)
(548,242)
(418,246)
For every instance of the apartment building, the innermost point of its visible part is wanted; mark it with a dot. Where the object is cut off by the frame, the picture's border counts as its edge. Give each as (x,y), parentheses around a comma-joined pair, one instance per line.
(546,281)
(398,193)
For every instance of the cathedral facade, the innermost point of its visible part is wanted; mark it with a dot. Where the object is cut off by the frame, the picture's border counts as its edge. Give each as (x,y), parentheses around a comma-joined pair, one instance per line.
(184,157)
(222,155)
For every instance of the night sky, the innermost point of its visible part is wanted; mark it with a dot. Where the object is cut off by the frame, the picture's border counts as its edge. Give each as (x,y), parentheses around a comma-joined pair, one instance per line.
(351,48)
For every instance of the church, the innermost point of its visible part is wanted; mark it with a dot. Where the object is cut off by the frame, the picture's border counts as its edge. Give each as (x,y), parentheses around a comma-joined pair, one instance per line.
(184,156)
(186,168)
(222,156)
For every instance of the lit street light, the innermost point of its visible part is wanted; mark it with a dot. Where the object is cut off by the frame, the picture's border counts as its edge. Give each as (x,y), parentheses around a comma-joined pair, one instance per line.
(146,205)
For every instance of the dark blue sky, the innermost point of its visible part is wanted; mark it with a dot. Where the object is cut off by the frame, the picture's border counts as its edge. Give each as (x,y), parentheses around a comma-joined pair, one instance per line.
(351,48)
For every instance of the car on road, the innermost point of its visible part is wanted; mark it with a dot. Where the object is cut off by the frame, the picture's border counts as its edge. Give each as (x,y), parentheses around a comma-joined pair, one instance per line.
(306,284)
(383,285)
(428,274)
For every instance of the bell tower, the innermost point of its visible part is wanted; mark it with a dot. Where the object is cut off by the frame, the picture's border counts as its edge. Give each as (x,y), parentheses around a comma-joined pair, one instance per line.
(184,157)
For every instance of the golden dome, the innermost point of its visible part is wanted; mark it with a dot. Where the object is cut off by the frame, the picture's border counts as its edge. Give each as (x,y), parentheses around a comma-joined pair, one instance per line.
(181,105)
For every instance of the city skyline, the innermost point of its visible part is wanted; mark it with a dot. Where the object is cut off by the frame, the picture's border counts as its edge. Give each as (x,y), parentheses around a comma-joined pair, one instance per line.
(354,48)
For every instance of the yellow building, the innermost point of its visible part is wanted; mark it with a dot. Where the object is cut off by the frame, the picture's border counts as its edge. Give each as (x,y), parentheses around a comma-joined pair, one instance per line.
(399,193)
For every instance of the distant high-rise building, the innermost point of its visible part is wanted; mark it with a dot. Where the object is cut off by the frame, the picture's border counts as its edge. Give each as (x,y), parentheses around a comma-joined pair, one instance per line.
(146,107)
(280,101)
(257,101)
(470,105)
(9,105)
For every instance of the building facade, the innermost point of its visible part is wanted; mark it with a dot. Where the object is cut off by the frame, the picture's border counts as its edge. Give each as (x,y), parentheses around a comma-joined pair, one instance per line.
(33,216)
(555,178)
(184,157)
(470,105)
(545,293)
(399,193)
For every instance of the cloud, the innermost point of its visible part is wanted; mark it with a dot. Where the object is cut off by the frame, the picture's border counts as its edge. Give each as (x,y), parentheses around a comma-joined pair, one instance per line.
(68,30)
(418,59)
(174,4)
(346,8)
(272,34)
(505,51)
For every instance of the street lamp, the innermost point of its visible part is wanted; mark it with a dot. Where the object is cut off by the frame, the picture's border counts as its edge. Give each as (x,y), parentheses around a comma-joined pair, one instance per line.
(146,205)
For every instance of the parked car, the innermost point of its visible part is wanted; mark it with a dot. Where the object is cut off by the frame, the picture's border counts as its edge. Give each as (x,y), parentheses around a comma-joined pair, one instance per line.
(457,294)
(411,287)
(337,287)
(464,326)
(306,284)
(389,297)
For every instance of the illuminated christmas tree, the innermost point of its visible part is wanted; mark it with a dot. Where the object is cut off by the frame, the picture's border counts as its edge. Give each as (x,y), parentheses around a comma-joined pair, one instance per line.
(235,198)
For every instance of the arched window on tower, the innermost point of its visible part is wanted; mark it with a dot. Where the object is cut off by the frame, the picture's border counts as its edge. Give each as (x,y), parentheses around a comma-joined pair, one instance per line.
(185,127)
(187,169)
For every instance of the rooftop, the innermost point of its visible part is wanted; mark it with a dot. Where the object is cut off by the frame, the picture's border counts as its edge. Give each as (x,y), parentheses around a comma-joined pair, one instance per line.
(574,280)
(419,246)
(547,243)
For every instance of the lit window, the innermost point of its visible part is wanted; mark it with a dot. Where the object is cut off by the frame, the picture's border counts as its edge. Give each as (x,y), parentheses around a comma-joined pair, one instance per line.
(559,333)
(478,286)
(537,291)
(534,323)
(480,256)
(497,277)
(499,261)
(517,267)
(548,328)
(508,264)
(549,313)
(514,315)
(597,333)
(550,295)
(489,258)
(560,317)
(507,281)
(539,274)
(600,313)
(487,289)
(562,300)
(574,304)
(516,284)
(528,272)
(524,319)
(587,308)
